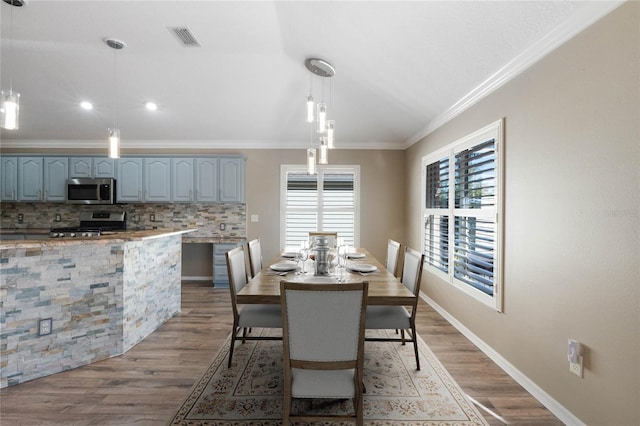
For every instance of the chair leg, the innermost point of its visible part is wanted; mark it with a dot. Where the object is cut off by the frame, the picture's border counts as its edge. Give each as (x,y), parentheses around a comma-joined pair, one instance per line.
(233,341)
(402,336)
(415,345)
(244,334)
(286,410)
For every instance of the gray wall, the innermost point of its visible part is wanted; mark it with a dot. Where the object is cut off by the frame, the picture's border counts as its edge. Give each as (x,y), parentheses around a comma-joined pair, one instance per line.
(572,228)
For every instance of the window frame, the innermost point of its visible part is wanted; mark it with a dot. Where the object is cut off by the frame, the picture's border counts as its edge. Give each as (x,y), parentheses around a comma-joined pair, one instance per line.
(493,131)
(320,171)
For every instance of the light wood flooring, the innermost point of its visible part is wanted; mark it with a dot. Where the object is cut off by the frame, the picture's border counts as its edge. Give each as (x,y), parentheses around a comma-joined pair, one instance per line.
(146,385)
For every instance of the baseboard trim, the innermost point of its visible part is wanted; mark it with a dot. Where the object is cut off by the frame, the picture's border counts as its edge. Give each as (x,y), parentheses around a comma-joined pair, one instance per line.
(536,391)
(196,278)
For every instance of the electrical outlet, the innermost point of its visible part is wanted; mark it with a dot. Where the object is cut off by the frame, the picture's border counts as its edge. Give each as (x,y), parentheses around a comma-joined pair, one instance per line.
(45,326)
(152,217)
(223,226)
(58,217)
(576,367)
(20,217)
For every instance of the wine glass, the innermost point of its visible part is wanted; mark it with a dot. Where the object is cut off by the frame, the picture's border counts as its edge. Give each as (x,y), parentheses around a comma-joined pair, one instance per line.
(303,254)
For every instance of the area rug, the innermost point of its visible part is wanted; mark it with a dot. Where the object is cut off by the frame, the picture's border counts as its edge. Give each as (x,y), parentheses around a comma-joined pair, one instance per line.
(250,392)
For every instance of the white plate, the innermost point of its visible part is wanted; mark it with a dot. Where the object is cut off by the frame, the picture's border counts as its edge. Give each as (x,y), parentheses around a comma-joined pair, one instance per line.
(290,254)
(356,255)
(284,266)
(362,267)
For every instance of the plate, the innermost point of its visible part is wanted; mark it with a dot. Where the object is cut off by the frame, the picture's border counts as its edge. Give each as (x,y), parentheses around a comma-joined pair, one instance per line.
(356,255)
(290,254)
(284,266)
(363,267)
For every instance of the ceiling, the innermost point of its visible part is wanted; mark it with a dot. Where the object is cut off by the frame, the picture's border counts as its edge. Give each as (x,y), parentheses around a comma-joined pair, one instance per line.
(402,68)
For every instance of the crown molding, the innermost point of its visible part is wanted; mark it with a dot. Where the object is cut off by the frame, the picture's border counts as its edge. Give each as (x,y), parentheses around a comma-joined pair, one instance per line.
(587,16)
(187,144)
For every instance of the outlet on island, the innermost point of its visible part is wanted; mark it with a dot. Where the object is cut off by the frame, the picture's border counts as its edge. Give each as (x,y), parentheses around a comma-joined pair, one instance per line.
(223,226)
(152,217)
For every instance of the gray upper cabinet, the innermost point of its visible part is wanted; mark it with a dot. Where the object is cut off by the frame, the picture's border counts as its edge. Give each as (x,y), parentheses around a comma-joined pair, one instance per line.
(129,180)
(231,180)
(157,179)
(30,178)
(207,180)
(182,180)
(55,178)
(92,167)
(9,179)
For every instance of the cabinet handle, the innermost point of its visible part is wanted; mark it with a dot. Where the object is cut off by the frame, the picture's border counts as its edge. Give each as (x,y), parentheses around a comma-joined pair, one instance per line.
(140,195)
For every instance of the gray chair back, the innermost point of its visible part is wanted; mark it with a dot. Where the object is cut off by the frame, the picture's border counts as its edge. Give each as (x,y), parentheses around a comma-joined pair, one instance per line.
(255,257)
(393,256)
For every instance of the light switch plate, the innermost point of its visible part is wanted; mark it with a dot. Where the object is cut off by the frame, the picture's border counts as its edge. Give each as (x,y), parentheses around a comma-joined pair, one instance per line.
(255,218)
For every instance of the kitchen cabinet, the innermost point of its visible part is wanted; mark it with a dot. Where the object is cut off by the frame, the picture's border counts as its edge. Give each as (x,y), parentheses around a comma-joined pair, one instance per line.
(231,180)
(207,180)
(92,167)
(9,178)
(56,171)
(157,179)
(129,180)
(220,275)
(30,178)
(182,180)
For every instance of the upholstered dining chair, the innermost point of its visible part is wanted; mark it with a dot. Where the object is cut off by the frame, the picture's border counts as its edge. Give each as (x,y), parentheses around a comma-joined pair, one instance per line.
(393,257)
(332,237)
(247,315)
(255,257)
(398,317)
(323,349)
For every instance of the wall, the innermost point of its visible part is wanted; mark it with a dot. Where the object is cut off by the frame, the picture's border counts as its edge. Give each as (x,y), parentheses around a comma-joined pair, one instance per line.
(572,220)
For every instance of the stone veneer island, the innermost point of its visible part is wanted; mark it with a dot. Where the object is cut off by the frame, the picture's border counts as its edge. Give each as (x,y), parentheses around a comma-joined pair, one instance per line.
(103,296)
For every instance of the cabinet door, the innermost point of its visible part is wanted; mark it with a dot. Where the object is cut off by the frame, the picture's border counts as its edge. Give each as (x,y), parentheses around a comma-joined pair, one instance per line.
(157,179)
(207,179)
(9,179)
(129,180)
(182,180)
(29,178)
(104,167)
(55,178)
(80,167)
(231,180)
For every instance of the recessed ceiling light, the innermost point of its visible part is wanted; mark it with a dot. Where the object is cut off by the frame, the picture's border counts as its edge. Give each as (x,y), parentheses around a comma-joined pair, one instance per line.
(151,106)
(86,105)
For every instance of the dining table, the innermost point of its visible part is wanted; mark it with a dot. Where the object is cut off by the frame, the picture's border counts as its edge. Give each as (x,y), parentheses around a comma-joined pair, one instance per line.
(384,287)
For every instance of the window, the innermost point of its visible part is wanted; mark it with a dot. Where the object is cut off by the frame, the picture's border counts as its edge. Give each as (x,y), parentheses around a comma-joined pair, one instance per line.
(327,201)
(462,214)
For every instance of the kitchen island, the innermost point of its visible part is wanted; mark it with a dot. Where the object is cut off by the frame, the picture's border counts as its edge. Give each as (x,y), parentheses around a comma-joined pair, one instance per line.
(72,302)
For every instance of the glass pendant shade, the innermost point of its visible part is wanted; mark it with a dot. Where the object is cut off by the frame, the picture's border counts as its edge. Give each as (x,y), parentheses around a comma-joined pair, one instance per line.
(330,128)
(114,143)
(322,118)
(10,108)
(324,152)
(309,109)
(311,161)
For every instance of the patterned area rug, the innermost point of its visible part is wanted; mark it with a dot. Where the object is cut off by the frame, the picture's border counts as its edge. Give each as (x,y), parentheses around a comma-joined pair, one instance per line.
(250,392)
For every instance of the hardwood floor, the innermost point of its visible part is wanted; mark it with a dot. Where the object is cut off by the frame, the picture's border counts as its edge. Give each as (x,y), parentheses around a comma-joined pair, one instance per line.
(146,385)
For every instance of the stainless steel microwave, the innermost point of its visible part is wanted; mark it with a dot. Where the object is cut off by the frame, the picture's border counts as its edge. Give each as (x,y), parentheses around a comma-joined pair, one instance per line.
(91,191)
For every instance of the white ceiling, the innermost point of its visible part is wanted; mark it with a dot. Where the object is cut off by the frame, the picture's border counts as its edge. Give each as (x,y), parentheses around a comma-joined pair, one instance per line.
(402,68)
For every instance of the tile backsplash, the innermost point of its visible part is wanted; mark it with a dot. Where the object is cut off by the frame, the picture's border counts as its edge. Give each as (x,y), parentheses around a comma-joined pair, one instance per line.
(206,217)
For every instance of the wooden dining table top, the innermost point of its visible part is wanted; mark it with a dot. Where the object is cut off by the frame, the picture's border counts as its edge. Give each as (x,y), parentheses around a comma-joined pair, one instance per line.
(384,287)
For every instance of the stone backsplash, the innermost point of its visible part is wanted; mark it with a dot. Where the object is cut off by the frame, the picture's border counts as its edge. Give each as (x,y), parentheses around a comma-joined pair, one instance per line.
(204,216)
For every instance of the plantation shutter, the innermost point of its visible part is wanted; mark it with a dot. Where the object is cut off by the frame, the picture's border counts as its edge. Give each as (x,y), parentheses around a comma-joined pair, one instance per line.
(475,228)
(436,219)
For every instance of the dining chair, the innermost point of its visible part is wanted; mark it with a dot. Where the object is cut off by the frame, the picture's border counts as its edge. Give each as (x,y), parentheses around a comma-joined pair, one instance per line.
(255,257)
(323,349)
(247,315)
(398,317)
(332,240)
(393,257)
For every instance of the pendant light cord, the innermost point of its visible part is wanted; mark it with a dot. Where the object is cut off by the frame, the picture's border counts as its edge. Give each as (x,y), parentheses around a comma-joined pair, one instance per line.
(11,48)
(115,89)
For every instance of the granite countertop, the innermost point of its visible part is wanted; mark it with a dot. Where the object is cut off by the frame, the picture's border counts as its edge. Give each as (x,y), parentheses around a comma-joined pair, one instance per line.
(109,238)
(22,231)
(214,239)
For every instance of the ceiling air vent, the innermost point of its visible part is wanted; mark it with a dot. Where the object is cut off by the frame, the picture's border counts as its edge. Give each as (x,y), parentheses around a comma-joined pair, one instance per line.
(184,35)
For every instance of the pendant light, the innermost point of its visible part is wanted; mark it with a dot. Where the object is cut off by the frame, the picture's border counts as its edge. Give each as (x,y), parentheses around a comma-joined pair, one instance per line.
(114,132)
(325,127)
(10,100)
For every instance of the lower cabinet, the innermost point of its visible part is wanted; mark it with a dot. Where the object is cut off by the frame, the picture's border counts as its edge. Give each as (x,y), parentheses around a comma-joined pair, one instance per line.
(220,276)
